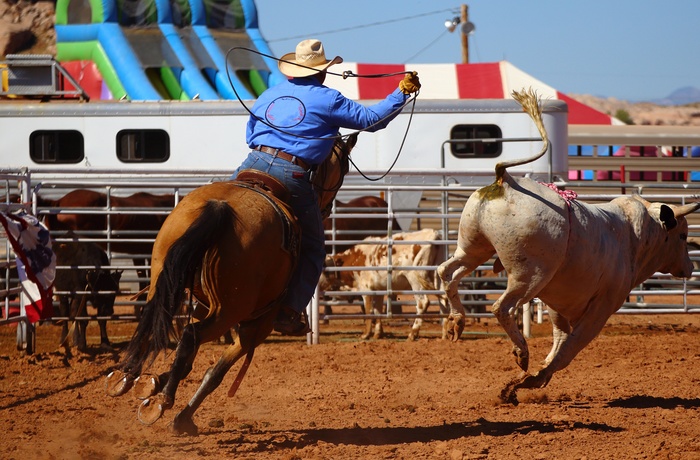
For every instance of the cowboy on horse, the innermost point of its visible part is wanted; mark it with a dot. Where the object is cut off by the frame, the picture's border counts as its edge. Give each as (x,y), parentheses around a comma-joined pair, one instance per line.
(291,131)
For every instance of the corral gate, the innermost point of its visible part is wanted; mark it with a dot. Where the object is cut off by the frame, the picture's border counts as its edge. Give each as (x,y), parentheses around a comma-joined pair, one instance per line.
(440,205)
(440,208)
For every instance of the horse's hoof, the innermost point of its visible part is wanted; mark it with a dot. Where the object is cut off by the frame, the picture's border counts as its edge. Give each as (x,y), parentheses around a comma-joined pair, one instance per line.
(509,396)
(146,385)
(509,393)
(106,346)
(150,411)
(522,358)
(183,425)
(117,383)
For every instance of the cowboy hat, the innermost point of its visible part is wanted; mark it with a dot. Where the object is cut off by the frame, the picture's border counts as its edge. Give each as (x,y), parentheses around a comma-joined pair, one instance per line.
(308,59)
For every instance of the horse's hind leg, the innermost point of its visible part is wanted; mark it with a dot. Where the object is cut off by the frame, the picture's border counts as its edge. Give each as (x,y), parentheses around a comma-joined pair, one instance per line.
(152,408)
(250,335)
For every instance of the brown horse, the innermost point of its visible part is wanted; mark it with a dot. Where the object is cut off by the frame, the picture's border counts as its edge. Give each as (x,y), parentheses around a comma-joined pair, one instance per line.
(122,225)
(235,247)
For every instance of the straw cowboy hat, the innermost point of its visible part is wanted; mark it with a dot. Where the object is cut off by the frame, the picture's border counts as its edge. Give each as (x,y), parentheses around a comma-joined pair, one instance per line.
(308,59)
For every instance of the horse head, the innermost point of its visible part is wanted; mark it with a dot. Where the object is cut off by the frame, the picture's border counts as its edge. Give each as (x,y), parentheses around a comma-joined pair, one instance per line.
(329,176)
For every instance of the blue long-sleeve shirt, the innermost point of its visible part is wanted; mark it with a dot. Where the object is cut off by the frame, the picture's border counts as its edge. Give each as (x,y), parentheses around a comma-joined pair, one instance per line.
(305,107)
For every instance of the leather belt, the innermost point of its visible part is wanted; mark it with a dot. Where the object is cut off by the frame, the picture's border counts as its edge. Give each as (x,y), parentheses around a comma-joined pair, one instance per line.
(284,155)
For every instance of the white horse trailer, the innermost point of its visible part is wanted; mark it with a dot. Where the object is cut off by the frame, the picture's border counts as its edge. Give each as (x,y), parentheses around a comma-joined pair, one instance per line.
(67,137)
(461,140)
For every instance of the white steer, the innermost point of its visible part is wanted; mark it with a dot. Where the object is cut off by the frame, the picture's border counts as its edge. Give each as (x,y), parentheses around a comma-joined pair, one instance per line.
(582,260)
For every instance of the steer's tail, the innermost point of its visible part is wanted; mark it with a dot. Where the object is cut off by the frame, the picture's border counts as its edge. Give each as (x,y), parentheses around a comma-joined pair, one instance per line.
(530,102)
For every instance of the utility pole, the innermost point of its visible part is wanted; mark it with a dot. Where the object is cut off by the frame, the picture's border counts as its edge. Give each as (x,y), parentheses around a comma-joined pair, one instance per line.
(465,37)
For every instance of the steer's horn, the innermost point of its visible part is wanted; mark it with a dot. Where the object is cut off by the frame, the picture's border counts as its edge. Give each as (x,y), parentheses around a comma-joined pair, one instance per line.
(686,209)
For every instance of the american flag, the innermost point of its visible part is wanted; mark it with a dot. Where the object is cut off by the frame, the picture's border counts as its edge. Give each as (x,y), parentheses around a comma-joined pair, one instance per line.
(36,262)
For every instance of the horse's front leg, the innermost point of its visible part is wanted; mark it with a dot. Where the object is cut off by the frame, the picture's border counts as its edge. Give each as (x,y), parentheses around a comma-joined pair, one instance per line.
(250,335)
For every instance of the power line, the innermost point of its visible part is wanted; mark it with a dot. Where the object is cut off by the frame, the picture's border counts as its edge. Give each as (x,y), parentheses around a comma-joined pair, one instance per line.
(374,24)
(427,46)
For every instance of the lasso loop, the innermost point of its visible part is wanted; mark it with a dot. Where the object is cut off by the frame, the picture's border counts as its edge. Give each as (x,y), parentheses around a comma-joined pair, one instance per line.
(346,74)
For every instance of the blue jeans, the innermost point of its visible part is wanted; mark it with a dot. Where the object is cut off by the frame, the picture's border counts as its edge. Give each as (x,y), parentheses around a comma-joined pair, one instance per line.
(304,202)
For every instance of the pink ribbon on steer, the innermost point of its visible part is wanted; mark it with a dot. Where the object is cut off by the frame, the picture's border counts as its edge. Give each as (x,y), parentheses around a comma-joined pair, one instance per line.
(568,195)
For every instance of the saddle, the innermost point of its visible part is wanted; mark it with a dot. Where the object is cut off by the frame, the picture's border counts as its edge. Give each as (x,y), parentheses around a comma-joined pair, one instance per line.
(278,195)
(266,182)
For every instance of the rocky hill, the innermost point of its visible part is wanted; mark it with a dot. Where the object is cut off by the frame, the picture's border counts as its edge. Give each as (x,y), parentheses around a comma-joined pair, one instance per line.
(27,27)
(645,113)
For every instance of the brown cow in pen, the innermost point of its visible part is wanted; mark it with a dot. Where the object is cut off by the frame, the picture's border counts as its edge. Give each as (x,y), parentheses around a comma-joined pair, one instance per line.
(419,252)
(358,228)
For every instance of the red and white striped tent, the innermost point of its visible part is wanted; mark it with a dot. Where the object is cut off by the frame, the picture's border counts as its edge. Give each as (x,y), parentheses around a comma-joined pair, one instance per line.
(494,80)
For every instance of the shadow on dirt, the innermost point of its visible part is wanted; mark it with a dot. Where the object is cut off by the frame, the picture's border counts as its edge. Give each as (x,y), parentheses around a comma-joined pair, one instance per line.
(401,435)
(648,402)
(48,359)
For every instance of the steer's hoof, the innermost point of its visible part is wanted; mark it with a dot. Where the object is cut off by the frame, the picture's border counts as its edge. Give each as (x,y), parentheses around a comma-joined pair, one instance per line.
(454,327)
(117,383)
(146,385)
(152,409)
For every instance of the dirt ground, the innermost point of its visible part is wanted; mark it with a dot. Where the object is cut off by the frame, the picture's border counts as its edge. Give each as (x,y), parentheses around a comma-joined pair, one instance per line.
(633,393)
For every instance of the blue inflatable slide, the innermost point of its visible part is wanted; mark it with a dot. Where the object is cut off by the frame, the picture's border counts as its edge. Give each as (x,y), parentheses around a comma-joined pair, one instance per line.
(168,49)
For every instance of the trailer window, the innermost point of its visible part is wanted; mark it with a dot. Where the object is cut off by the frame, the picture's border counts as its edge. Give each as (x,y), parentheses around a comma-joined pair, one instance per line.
(59,146)
(143,146)
(481,147)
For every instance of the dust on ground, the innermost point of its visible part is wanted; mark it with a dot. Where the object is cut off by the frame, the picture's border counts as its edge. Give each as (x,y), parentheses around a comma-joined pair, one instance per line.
(633,393)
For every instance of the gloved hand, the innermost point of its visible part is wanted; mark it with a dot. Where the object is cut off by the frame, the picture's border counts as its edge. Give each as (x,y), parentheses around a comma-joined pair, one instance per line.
(410,83)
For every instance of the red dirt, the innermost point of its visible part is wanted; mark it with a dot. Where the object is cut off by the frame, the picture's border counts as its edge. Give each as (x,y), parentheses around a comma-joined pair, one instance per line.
(633,393)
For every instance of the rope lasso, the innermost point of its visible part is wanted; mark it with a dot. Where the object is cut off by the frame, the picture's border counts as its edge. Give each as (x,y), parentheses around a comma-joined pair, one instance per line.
(345,74)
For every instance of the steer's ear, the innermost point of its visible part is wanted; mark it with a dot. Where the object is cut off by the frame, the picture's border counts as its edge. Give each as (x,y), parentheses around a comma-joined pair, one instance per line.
(667,217)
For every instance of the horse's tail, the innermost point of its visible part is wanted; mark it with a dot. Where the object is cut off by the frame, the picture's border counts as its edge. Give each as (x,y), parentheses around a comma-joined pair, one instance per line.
(155,328)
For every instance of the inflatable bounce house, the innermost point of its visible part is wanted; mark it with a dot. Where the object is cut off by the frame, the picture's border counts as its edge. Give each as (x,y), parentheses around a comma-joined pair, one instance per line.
(164,49)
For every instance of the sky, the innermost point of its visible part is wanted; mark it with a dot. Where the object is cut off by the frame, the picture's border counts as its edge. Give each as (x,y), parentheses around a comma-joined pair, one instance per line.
(631,50)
